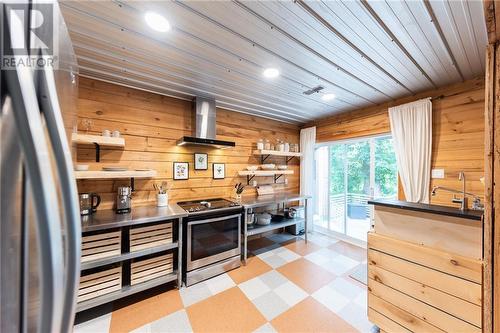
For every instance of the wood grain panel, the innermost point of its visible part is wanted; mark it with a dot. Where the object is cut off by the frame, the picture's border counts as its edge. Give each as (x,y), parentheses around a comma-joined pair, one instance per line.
(151,124)
(458,132)
(460,288)
(420,290)
(434,316)
(449,263)
(444,233)
(400,320)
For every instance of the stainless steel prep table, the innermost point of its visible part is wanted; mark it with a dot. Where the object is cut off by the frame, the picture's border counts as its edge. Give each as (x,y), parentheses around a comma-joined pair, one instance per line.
(268,200)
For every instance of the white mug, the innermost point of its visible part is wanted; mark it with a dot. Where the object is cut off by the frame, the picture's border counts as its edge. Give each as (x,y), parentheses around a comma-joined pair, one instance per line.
(162,200)
(116,134)
(106,133)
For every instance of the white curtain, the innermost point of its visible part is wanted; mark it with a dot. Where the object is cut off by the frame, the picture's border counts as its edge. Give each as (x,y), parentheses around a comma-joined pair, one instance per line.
(411,127)
(307,142)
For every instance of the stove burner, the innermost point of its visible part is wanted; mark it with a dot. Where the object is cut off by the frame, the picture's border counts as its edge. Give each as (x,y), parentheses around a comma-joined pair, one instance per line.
(206,204)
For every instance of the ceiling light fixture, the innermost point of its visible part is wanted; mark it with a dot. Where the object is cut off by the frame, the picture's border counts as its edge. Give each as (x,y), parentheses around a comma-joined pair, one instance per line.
(328,97)
(157,22)
(271,73)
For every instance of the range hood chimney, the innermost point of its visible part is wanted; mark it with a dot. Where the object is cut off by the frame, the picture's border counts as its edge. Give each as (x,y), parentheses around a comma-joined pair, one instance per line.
(205,120)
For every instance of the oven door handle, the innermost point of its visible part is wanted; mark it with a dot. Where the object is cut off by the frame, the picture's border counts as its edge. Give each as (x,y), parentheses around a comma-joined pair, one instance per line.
(215,219)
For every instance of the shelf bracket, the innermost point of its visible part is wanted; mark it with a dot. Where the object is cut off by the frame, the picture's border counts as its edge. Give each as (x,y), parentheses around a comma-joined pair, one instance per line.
(249,179)
(288,159)
(263,158)
(276,177)
(132,184)
(97,152)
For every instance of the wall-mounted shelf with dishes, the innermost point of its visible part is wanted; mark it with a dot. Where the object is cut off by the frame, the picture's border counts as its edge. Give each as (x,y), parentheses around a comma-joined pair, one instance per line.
(265,154)
(97,141)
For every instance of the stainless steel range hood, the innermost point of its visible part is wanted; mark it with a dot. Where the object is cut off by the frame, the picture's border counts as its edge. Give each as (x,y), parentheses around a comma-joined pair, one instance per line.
(205,119)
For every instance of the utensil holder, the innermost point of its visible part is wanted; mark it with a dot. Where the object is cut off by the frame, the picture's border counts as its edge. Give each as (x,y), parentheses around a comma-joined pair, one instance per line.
(162,200)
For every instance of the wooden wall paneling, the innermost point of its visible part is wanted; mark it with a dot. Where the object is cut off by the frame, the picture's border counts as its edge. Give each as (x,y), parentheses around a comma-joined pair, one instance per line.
(151,125)
(458,133)
(496,190)
(488,218)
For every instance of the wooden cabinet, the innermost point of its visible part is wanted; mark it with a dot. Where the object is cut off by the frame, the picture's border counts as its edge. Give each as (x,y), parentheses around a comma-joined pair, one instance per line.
(413,287)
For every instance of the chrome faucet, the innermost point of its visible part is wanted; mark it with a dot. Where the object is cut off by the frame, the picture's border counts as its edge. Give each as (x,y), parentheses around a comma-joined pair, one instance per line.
(477,205)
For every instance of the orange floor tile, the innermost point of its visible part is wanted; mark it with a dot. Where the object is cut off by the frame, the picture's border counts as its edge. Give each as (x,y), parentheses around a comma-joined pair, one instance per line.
(229,311)
(145,311)
(311,316)
(306,274)
(253,268)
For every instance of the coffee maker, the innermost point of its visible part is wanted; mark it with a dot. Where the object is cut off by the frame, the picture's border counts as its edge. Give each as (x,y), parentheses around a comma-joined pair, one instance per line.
(123,200)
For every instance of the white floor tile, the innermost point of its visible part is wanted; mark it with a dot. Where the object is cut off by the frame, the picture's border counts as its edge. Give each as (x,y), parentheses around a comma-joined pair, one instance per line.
(330,298)
(290,293)
(254,288)
(220,283)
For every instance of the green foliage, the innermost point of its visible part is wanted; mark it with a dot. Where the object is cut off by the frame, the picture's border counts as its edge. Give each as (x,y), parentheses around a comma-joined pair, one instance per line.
(353,159)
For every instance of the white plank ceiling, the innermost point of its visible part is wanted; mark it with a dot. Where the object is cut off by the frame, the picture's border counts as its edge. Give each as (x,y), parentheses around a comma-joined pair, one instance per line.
(364,52)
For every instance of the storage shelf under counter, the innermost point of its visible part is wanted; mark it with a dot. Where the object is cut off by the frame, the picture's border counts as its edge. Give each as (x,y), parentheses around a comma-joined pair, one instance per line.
(280,200)
(123,254)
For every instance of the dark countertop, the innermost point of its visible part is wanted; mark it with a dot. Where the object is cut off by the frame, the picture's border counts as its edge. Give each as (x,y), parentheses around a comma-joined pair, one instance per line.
(107,219)
(433,209)
(264,200)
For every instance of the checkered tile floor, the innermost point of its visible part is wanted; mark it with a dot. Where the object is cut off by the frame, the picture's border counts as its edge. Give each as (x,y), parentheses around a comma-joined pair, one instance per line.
(287,286)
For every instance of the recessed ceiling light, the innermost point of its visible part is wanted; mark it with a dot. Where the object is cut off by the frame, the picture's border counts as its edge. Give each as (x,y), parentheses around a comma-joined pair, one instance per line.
(271,73)
(157,22)
(328,97)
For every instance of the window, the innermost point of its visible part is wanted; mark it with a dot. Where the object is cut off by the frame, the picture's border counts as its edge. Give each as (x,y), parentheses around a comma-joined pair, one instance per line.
(348,174)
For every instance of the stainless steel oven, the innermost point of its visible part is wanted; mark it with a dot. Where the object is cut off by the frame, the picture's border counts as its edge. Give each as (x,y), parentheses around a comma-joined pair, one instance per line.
(212,243)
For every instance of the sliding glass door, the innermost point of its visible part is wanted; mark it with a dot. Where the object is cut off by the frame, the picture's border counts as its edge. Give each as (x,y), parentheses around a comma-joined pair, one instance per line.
(348,174)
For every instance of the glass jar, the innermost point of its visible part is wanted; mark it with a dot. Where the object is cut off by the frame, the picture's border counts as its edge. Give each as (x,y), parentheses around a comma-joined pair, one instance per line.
(280,146)
(260,144)
(286,147)
(267,145)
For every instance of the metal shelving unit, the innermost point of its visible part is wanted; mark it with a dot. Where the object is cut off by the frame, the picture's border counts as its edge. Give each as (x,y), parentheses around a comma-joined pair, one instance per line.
(264,201)
(104,222)
(126,291)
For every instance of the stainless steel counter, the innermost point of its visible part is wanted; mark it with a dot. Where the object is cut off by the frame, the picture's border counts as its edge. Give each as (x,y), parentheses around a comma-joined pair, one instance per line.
(106,219)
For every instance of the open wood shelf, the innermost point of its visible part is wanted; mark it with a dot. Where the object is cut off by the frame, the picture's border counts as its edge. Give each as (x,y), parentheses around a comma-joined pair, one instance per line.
(114,174)
(126,291)
(265,173)
(98,139)
(127,256)
(276,153)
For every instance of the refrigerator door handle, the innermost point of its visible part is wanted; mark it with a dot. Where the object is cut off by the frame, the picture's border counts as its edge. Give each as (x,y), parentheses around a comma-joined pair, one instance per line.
(38,168)
(49,103)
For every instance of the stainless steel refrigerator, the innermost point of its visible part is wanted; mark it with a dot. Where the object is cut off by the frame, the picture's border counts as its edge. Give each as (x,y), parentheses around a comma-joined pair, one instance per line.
(39,211)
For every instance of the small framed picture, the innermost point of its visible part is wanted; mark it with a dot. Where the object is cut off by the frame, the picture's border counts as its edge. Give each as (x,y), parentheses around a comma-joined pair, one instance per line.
(181,170)
(219,170)
(200,161)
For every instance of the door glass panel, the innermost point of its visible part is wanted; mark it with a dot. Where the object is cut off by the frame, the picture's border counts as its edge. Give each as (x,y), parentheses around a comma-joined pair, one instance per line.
(337,180)
(358,156)
(386,172)
(321,219)
(208,239)
(347,176)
